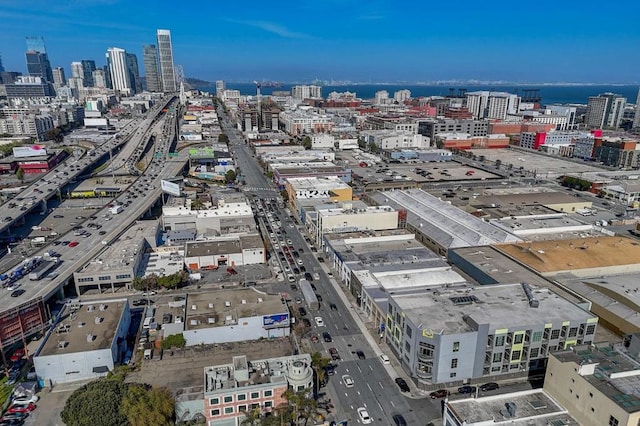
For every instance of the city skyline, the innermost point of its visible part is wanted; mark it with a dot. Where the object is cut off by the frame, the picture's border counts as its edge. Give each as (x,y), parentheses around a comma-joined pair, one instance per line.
(342,40)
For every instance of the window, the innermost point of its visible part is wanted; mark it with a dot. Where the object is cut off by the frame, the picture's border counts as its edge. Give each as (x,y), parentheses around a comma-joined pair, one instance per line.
(241,397)
(214,401)
(228,398)
(517,339)
(254,406)
(268,393)
(228,410)
(454,363)
(242,408)
(407,347)
(573,331)
(537,336)
(613,421)
(123,276)
(409,332)
(515,355)
(268,404)
(452,375)
(499,340)
(456,346)
(555,334)
(591,329)
(495,369)
(497,357)
(85,280)
(215,412)
(255,395)
(104,278)
(534,353)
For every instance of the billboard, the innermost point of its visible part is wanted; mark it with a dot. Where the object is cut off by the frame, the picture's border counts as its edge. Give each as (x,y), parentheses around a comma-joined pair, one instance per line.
(275,321)
(95,122)
(170,187)
(29,151)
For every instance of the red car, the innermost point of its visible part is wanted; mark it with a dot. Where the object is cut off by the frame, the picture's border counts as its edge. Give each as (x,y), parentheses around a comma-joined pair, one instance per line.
(231,271)
(21,408)
(17,355)
(440,393)
(73,243)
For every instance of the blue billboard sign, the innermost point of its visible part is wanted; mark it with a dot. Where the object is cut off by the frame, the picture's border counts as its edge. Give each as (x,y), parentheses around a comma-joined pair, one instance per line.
(274,321)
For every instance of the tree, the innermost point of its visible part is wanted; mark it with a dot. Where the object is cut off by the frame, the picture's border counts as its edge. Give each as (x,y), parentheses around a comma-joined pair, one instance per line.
(20,174)
(230,176)
(252,418)
(319,363)
(96,404)
(146,406)
(56,134)
(306,142)
(174,341)
(222,137)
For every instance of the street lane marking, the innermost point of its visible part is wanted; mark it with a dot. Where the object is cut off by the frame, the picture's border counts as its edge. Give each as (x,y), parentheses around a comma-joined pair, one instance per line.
(369,386)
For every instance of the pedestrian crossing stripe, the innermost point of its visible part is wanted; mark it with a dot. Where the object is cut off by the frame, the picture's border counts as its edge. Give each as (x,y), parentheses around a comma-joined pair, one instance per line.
(253,188)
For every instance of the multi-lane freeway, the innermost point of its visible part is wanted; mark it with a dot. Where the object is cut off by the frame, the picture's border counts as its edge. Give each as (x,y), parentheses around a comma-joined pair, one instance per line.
(373,386)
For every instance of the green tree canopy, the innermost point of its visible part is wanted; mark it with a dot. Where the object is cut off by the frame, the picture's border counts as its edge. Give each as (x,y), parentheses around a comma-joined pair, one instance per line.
(222,137)
(306,142)
(230,176)
(146,406)
(20,174)
(96,404)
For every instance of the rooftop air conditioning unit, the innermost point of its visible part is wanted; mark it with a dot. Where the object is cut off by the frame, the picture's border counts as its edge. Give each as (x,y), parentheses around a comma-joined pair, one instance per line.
(211,320)
(227,304)
(210,305)
(244,302)
(194,307)
(259,299)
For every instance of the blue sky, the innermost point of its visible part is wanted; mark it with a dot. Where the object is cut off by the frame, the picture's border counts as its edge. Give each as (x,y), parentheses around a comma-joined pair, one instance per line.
(357,40)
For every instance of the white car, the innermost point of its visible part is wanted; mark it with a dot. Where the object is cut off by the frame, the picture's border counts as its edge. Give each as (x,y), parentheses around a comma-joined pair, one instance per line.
(25,400)
(300,262)
(348,381)
(319,321)
(384,359)
(364,416)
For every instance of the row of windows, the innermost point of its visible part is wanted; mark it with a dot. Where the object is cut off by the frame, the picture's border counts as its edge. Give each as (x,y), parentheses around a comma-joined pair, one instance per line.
(241,408)
(240,397)
(104,278)
(548,334)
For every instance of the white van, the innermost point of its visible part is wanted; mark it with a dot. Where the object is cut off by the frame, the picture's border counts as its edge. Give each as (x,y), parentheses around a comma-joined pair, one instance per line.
(148,354)
(147,322)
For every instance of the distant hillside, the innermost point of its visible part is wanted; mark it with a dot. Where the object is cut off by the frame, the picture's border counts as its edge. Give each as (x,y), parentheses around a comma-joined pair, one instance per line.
(196,82)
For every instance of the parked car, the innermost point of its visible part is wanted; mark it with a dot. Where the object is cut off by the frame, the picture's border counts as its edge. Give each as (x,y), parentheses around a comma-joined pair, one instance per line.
(360,354)
(18,354)
(402,384)
(384,359)
(25,400)
(22,408)
(330,369)
(303,311)
(327,337)
(466,389)
(334,354)
(489,386)
(440,393)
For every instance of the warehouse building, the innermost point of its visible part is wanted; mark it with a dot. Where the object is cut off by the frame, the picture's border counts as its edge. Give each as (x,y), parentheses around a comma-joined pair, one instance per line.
(225,252)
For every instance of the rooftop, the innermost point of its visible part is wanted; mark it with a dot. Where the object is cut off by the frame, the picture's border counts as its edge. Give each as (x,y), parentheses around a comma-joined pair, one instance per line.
(241,373)
(224,245)
(457,309)
(554,226)
(317,183)
(616,374)
(551,257)
(85,327)
(446,224)
(545,198)
(226,307)
(532,408)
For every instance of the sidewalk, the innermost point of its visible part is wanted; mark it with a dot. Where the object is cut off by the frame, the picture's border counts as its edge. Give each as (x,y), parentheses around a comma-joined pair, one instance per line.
(393,368)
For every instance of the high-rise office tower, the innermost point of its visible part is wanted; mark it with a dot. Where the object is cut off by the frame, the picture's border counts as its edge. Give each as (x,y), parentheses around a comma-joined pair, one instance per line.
(36,43)
(76,70)
(134,74)
(88,67)
(165,55)
(58,76)
(107,77)
(636,119)
(220,88)
(1,66)
(151,72)
(605,111)
(99,78)
(117,62)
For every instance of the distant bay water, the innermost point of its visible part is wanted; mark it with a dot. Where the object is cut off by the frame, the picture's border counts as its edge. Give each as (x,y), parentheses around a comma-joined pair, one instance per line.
(550,94)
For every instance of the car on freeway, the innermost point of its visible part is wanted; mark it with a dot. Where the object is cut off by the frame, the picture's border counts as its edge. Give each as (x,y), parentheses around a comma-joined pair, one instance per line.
(73,243)
(18,292)
(399,420)
(440,393)
(360,354)
(466,389)
(402,384)
(364,416)
(348,381)
(319,321)
(326,336)
(489,386)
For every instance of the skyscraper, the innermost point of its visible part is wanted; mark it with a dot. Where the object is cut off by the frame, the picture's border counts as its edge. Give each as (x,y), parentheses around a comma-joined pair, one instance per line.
(36,43)
(151,72)
(58,76)
(117,62)
(636,119)
(1,67)
(165,50)
(99,78)
(605,111)
(88,66)
(107,77)
(37,60)
(134,74)
(76,70)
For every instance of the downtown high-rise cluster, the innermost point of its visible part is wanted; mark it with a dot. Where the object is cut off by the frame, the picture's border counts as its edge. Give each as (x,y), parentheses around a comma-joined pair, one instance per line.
(120,73)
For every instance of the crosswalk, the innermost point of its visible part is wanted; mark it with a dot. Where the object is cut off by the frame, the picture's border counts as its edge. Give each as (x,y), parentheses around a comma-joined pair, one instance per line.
(254,188)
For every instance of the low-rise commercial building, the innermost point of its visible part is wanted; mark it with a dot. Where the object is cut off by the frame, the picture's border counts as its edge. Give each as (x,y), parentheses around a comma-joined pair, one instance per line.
(234,316)
(225,251)
(456,334)
(210,221)
(231,390)
(85,343)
